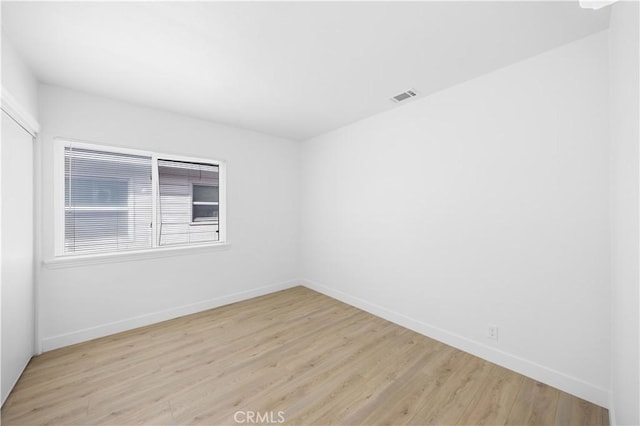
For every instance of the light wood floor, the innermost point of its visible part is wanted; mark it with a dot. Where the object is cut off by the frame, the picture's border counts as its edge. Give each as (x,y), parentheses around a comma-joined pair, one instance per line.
(315,359)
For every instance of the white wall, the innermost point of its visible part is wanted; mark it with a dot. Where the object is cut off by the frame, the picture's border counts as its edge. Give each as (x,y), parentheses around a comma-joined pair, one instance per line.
(83,302)
(625,353)
(486,203)
(18,79)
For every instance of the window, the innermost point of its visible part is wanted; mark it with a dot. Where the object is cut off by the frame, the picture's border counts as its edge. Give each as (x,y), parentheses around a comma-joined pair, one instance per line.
(113,200)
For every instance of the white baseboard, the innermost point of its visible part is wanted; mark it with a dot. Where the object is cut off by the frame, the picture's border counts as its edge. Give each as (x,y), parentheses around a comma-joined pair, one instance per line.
(564,382)
(61,340)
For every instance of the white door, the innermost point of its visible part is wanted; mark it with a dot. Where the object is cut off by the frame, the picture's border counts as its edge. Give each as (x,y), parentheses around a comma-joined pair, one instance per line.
(17,250)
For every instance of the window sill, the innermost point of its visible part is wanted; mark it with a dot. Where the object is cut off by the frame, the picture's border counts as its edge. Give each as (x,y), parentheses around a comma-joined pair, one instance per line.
(95,259)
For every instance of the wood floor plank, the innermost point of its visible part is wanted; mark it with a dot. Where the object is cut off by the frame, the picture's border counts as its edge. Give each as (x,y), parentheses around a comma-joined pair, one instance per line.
(56,411)
(346,390)
(448,401)
(493,404)
(535,404)
(574,411)
(295,352)
(313,383)
(387,399)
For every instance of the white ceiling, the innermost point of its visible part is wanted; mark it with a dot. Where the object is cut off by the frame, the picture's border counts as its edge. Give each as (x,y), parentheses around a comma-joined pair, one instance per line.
(289,69)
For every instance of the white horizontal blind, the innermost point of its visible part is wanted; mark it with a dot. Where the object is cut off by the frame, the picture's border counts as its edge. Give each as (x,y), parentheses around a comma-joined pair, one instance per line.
(188,202)
(108,201)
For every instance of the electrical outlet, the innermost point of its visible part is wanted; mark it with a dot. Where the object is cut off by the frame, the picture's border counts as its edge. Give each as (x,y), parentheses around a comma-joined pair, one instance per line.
(492,332)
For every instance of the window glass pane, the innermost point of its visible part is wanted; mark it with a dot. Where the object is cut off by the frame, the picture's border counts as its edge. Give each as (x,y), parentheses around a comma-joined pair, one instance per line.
(205,193)
(108,201)
(91,227)
(182,185)
(205,212)
(96,191)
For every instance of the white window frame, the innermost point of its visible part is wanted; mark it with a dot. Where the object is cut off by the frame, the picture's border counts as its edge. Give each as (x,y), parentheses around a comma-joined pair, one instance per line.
(59,203)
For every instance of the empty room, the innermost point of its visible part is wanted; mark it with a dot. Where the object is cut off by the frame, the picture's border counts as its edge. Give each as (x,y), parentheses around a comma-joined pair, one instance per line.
(320,213)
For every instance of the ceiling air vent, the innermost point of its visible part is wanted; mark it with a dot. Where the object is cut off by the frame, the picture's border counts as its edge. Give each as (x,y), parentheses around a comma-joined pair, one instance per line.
(404,96)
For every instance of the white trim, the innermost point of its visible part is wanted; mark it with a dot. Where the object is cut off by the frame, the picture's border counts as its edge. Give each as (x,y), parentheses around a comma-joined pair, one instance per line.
(58,197)
(69,261)
(83,335)
(37,230)
(557,379)
(155,194)
(13,108)
(222,201)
